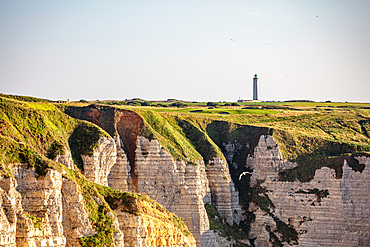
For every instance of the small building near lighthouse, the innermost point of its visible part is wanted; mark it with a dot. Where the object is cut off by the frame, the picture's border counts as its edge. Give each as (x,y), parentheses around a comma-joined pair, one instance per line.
(255,91)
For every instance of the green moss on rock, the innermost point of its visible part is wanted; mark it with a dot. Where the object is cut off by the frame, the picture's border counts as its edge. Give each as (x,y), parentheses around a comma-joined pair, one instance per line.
(219,224)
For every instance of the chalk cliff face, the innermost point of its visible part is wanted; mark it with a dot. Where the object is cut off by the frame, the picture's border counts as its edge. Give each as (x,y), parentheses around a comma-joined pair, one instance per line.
(154,229)
(179,186)
(143,166)
(51,211)
(76,223)
(47,211)
(223,195)
(41,198)
(327,211)
(98,166)
(119,175)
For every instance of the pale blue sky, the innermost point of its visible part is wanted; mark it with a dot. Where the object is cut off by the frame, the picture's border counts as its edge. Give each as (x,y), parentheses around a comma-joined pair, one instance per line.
(183,49)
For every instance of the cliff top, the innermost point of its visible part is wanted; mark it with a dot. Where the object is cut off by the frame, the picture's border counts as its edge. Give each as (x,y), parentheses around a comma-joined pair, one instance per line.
(305,131)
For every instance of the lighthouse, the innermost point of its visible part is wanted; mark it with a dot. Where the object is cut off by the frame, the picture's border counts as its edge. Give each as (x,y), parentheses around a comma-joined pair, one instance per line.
(255,93)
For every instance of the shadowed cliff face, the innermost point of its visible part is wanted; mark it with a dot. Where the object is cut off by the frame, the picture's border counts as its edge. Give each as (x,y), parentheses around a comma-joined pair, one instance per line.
(127,124)
(237,142)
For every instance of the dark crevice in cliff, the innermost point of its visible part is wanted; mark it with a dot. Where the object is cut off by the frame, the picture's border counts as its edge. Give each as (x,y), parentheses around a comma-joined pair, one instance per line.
(126,124)
(243,140)
(129,126)
(238,142)
(365,127)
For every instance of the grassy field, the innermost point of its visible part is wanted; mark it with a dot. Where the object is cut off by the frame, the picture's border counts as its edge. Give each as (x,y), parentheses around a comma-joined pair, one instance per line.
(224,111)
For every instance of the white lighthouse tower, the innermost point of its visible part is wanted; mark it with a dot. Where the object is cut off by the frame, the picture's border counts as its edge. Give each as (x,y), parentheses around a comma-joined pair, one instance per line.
(255,89)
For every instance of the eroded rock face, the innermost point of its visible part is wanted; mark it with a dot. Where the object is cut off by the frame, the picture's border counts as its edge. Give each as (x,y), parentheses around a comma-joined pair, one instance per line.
(41,198)
(146,230)
(44,211)
(145,167)
(76,221)
(223,195)
(97,166)
(9,208)
(65,159)
(119,175)
(324,212)
(177,185)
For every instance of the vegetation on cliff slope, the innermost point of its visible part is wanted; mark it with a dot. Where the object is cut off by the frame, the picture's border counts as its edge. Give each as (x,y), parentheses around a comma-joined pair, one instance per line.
(182,137)
(309,133)
(312,134)
(35,132)
(138,204)
(230,233)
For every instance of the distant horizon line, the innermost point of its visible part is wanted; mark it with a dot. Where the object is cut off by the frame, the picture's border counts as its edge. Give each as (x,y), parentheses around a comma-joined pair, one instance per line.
(189,101)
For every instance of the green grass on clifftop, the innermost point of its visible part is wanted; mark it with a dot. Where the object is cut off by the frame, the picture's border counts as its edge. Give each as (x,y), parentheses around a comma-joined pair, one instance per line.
(182,137)
(36,132)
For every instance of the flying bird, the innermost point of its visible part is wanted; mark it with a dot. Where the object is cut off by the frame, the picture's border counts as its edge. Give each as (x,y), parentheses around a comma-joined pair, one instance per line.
(231,39)
(244,173)
(317,16)
(268,44)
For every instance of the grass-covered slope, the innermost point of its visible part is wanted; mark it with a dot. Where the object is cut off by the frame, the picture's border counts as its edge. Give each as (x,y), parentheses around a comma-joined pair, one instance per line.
(35,132)
(182,136)
(138,204)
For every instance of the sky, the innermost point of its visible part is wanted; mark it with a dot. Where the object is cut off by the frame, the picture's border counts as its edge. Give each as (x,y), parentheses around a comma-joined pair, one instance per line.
(201,50)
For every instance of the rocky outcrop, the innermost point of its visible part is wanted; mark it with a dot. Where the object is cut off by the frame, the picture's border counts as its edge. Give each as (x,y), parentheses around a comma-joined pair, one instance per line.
(76,222)
(144,166)
(151,227)
(327,211)
(44,211)
(65,159)
(213,238)
(181,187)
(10,207)
(97,167)
(42,205)
(119,175)
(223,195)
(177,185)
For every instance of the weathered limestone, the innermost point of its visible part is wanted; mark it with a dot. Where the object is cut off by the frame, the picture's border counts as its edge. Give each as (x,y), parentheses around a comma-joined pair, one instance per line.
(97,166)
(339,219)
(65,159)
(119,175)
(44,211)
(41,198)
(267,160)
(76,221)
(223,195)
(151,229)
(9,207)
(177,185)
